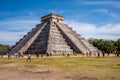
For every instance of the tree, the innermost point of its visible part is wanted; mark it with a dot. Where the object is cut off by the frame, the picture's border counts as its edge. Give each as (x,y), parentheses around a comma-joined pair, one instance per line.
(106,46)
(4,48)
(118,44)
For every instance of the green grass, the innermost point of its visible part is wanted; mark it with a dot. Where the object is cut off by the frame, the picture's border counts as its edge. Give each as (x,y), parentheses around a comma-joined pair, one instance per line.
(107,68)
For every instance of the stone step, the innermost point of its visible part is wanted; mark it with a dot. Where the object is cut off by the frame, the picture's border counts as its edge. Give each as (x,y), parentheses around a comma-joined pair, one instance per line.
(22,43)
(81,47)
(56,41)
(90,46)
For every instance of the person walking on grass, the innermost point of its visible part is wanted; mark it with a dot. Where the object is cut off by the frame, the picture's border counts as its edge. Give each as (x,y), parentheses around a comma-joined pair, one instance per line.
(29,57)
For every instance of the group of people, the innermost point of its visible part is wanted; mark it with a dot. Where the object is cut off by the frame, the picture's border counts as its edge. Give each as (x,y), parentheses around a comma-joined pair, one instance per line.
(18,55)
(100,53)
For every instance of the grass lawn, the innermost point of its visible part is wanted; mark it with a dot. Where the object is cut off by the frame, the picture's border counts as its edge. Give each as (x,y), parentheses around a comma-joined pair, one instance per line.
(107,68)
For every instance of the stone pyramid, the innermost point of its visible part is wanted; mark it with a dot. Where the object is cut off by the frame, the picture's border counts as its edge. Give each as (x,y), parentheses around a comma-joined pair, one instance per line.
(53,36)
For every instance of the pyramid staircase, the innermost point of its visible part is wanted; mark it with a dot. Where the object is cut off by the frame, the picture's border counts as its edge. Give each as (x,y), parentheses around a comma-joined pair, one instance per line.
(27,40)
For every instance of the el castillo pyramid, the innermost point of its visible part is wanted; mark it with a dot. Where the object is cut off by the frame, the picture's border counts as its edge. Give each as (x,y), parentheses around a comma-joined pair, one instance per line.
(53,36)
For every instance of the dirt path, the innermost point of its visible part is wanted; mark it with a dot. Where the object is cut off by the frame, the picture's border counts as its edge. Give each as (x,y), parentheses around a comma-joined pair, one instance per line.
(13,72)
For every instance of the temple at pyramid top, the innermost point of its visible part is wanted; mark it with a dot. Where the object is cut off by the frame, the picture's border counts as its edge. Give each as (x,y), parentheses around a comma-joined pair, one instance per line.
(52,17)
(52,36)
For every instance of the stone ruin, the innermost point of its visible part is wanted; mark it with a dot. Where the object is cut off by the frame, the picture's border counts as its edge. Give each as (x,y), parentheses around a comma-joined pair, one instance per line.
(52,36)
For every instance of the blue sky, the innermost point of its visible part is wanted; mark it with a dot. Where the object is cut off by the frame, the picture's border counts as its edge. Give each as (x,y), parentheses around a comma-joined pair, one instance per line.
(90,18)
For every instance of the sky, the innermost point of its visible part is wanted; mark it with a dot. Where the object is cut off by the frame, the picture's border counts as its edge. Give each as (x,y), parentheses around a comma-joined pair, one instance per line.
(90,18)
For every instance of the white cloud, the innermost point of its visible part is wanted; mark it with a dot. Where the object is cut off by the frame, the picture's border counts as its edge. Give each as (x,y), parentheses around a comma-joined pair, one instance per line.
(18,24)
(8,37)
(107,31)
(12,30)
(106,12)
(100,10)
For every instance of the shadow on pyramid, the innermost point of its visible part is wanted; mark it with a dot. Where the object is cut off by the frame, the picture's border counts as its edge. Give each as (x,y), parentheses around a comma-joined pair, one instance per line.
(53,36)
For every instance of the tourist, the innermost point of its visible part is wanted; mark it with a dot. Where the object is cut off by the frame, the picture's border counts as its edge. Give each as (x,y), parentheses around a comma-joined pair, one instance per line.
(118,53)
(41,55)
(108,54)
(83,54)
(1,55)
(8,55)
(19,54)
(50,54)
(63,54)
(15,55)
(29,57)
(90,54)
(67,54)
(22,55)
(87,54)
(94,54)
(47,54)
(37,55)
(103,54)
(98,55)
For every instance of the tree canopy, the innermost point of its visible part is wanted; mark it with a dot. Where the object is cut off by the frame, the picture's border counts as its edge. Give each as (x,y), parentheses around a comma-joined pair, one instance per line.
(107,46)
(4,48)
